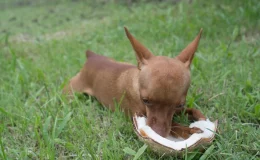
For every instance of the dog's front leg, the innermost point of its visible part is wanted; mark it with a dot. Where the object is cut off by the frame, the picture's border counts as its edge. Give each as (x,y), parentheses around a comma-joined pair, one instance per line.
(193,114)
(177,130)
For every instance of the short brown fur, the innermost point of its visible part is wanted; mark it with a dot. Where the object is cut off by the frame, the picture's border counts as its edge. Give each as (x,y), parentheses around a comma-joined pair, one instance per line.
(156,87)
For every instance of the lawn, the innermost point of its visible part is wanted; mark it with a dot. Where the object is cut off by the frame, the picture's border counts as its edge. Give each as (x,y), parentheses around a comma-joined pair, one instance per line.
(43,44)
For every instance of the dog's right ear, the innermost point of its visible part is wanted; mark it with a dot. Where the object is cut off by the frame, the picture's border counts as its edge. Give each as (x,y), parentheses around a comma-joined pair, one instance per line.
(187,53)
(141,52)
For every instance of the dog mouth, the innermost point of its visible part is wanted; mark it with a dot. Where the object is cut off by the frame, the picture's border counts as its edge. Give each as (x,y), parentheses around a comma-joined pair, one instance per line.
(162,131)
(161,126)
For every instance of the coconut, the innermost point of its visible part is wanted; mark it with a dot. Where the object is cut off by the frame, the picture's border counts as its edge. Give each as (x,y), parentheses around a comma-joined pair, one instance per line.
(175,145)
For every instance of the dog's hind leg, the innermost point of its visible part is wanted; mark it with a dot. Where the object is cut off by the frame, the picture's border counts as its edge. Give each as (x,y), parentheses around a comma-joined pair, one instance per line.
(77,84)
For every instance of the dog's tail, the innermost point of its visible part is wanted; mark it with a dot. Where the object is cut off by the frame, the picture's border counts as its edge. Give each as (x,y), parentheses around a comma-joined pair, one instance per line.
(89,53)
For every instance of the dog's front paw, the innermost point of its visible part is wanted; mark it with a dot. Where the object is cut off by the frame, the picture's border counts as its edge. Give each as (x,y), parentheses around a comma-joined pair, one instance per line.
(195,130)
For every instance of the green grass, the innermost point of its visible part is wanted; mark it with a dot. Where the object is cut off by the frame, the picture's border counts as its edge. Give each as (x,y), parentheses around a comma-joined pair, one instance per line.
(43,45)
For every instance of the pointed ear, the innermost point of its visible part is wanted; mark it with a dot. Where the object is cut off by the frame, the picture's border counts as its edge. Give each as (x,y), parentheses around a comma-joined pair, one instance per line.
(187,54)
(141,52)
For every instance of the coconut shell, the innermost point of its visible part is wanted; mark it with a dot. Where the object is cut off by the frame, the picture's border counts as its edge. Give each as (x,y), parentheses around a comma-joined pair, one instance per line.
(162,149)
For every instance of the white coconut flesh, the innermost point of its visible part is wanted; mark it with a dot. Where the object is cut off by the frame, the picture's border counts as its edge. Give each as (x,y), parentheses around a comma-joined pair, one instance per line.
(175,143)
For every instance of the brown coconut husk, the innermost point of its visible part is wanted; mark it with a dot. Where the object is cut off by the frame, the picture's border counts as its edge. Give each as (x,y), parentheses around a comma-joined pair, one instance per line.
(161,149)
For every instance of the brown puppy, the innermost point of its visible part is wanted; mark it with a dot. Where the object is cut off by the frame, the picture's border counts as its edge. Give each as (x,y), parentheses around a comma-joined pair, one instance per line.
(156,88)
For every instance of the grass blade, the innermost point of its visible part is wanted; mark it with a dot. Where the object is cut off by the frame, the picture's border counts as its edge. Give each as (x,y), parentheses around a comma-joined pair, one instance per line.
(45,129)
(2,148)
(207,153)
(129,151)
(63,124)
(140,152)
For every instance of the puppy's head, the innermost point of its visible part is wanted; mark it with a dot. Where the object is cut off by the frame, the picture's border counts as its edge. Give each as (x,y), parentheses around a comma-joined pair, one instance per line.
(163,83)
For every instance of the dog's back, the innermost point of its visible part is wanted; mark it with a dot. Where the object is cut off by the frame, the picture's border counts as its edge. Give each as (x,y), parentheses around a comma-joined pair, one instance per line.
(99,85)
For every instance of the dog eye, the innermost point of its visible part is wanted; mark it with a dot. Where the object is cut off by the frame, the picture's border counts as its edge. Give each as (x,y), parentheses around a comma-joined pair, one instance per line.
(146,101)
(181,105)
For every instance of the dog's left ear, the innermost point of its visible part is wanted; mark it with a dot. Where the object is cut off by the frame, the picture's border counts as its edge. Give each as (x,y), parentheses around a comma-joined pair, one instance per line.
(187,54)
(141,52)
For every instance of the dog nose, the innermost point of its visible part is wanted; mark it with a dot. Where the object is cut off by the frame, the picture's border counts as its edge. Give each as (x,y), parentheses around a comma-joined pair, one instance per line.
(161,130)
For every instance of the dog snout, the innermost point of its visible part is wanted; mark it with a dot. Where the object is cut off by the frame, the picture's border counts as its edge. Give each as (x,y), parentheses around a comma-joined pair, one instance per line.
(160,121)
(161,129)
